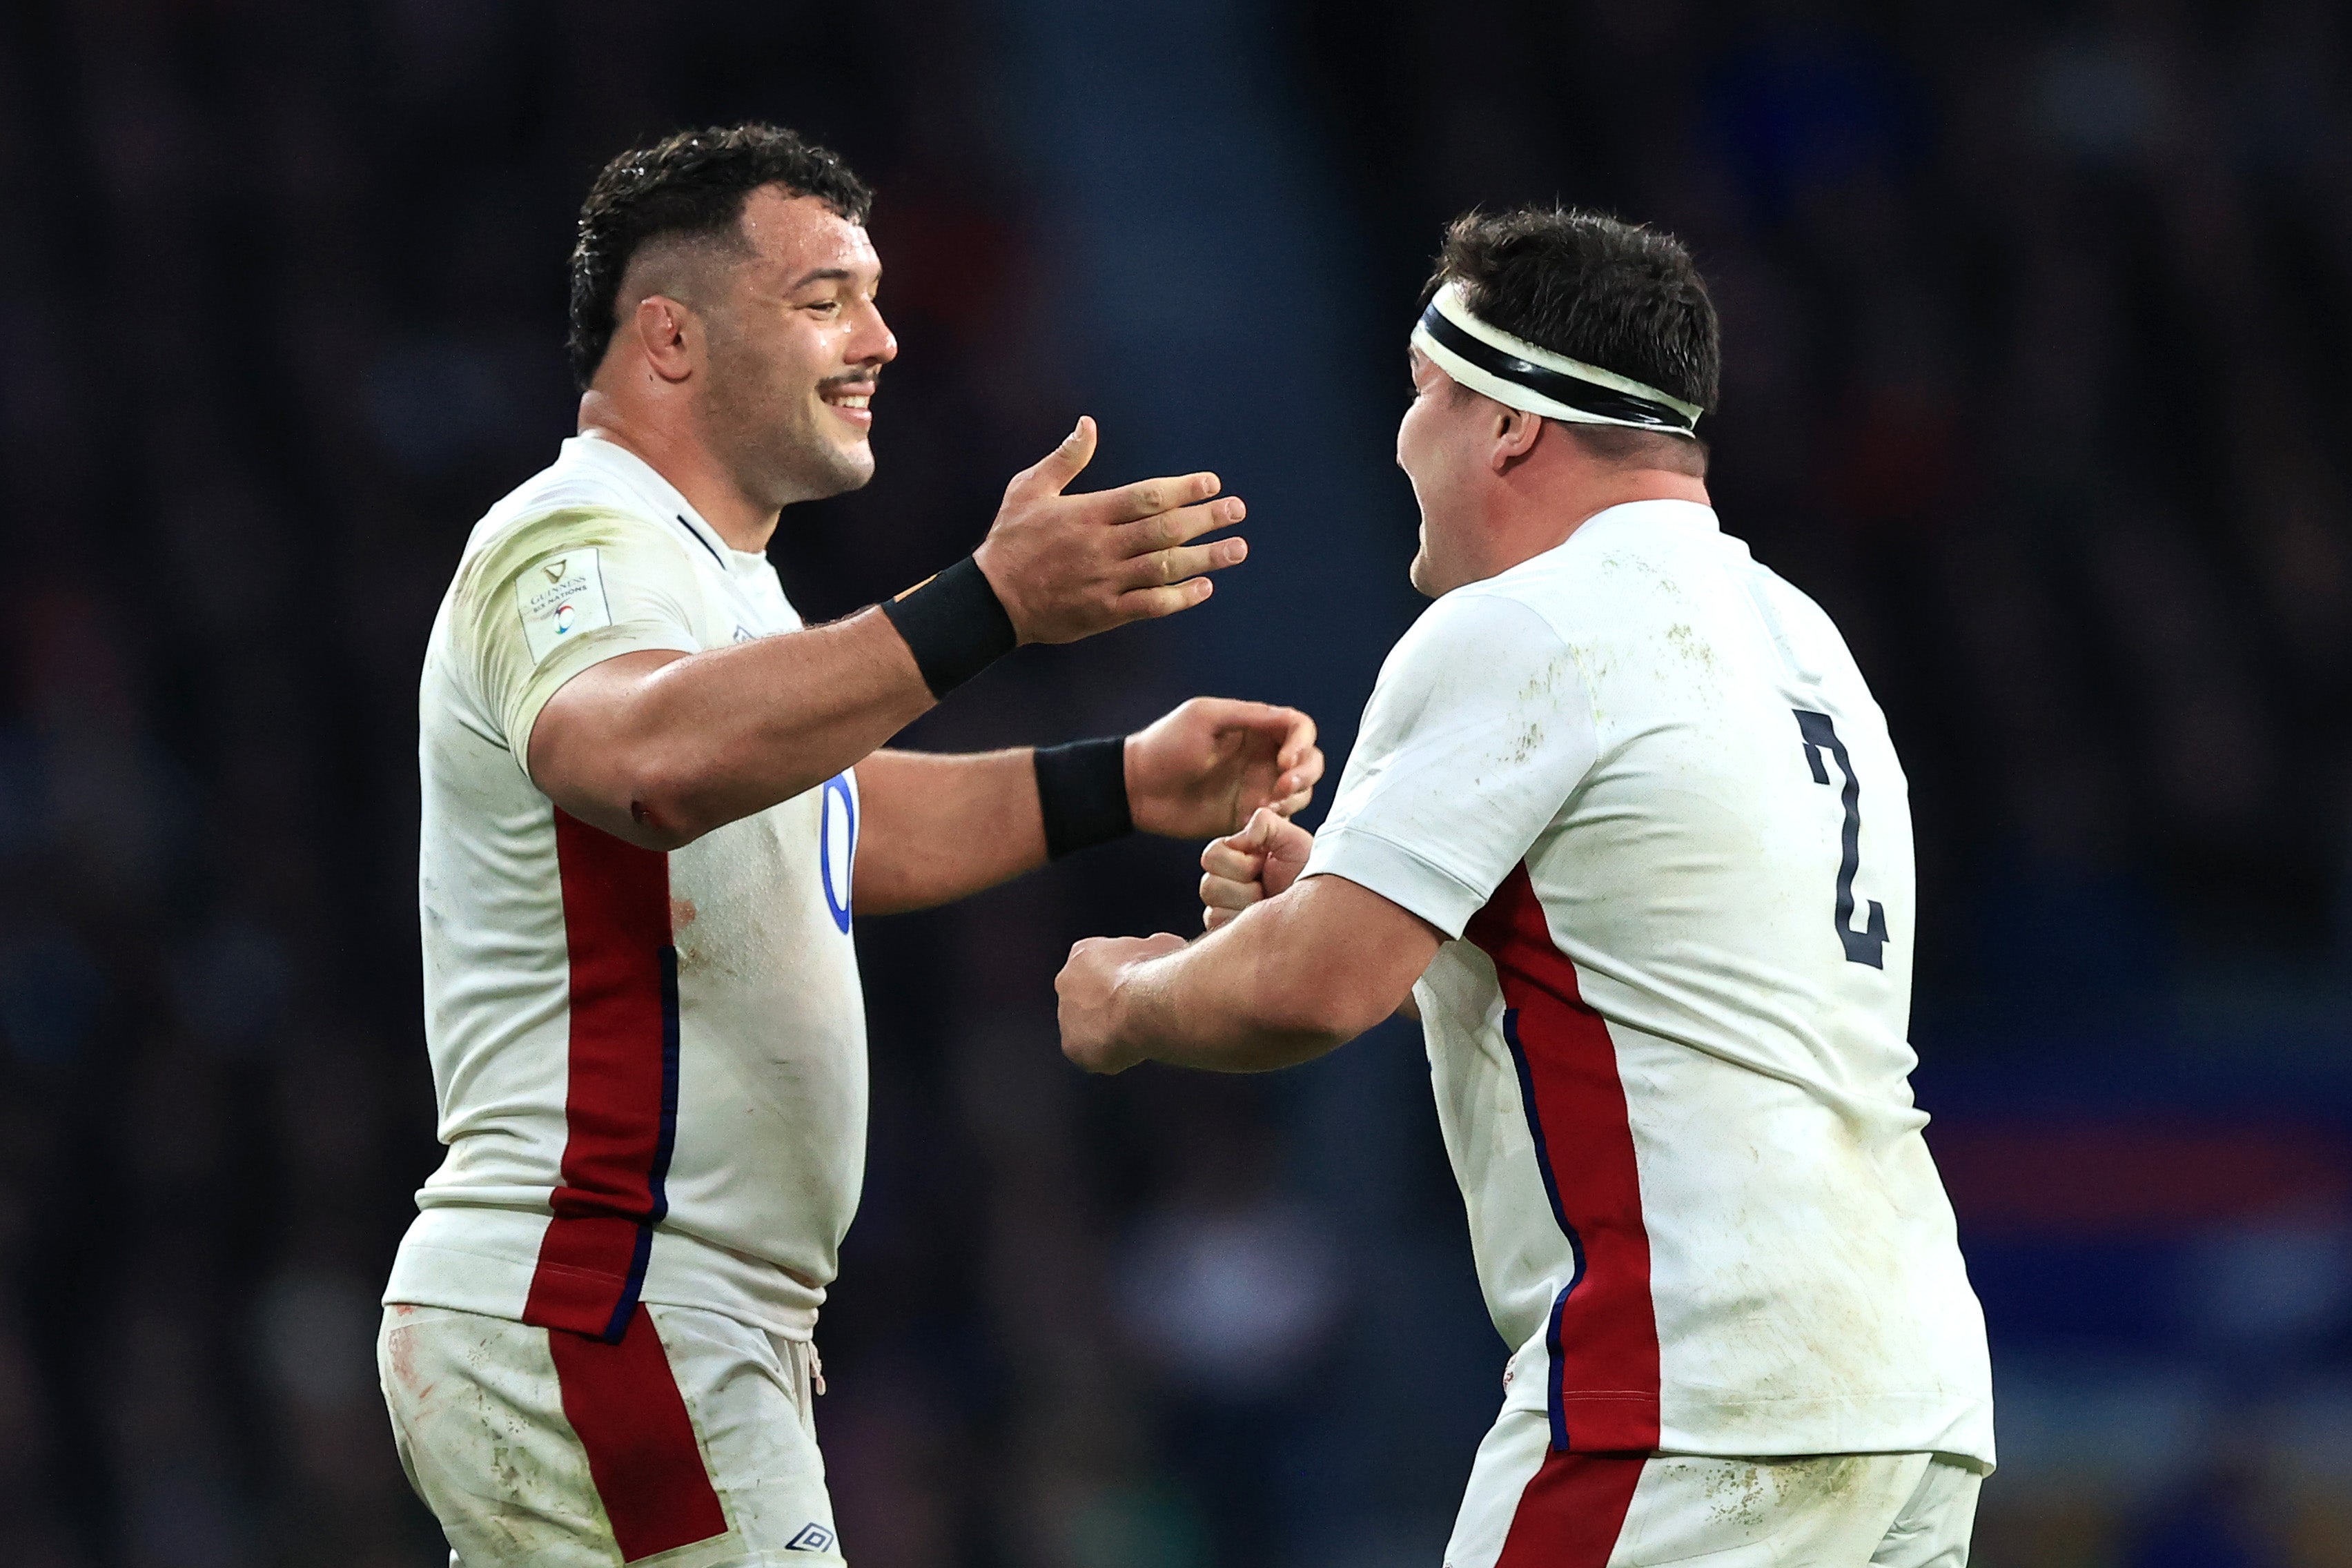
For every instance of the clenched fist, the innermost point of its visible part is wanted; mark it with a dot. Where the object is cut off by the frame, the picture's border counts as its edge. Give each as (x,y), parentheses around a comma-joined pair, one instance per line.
(1206,766)
(1089,988)
(1259,862)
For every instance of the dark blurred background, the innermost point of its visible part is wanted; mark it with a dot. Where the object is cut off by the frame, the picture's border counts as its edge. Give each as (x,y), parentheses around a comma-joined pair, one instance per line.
(2036,319)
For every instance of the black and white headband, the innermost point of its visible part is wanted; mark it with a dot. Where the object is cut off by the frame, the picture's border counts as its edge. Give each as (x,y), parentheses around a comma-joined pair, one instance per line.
(1518,374)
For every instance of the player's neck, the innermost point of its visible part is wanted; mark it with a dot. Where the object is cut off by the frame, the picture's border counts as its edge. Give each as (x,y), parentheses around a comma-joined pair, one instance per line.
(743,522)
(1536,511)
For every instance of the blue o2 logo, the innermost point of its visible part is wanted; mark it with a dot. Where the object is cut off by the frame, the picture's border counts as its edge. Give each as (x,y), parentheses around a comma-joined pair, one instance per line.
(837,847)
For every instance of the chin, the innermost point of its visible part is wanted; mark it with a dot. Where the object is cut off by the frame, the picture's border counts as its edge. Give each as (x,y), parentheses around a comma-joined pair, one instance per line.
(839,470)
(856,467)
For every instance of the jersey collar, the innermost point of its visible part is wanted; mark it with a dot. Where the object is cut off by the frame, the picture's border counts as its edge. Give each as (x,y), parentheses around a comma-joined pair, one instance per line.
(1639,517)
(1655,513)
(660,497)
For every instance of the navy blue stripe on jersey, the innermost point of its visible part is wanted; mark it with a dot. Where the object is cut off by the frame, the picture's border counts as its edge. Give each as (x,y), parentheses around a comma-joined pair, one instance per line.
(624,1306)
(1536,1131)
(658,1179)
(702,542)
(1555,1385)
(658,1174)
(1553,1405)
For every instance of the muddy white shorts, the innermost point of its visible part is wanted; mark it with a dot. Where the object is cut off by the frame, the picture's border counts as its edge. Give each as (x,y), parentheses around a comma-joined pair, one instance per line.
(689,1444)
(1531,1506)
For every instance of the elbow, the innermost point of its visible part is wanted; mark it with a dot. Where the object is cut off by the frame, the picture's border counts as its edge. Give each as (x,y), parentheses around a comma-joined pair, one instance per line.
(648,832)
(1357,1012)
(664,823)
(1322,962)
(661,806)
(1315,985)
(618,784)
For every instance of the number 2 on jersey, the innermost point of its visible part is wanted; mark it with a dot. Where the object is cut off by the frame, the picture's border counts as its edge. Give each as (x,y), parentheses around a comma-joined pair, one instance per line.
(1867,945)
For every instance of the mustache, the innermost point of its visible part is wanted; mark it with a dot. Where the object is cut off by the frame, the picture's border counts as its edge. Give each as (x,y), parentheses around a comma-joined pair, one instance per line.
(870,376)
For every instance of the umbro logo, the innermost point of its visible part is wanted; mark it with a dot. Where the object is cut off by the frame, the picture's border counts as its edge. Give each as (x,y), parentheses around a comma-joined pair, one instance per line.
(554,570)
(811,1538)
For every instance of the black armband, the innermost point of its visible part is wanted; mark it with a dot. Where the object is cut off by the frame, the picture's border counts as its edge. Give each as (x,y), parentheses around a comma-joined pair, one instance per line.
(954,625)
(1082,794)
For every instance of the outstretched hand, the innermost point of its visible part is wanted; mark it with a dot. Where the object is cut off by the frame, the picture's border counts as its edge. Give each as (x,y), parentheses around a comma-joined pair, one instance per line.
(1067,566)
(1205,767)
(1259,862)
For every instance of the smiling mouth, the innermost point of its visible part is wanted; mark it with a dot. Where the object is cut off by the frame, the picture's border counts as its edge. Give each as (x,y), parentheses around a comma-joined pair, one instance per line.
(853,398)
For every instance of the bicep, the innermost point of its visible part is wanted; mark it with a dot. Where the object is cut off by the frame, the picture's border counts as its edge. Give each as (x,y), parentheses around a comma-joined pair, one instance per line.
(580,751)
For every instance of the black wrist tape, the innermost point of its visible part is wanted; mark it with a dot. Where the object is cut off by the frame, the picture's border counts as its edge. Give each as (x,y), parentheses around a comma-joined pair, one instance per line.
(1082,791)
(954,625)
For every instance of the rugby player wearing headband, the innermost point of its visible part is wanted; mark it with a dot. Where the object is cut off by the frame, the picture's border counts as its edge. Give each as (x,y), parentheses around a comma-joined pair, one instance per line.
(1625,825)
(651,798)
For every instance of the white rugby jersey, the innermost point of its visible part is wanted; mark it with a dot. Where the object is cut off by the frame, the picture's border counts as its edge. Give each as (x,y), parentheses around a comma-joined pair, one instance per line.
(1641,781)
(651,1068)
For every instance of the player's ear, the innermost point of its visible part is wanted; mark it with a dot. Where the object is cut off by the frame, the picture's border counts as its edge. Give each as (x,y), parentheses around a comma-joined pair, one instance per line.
(1515,434)
(670,336)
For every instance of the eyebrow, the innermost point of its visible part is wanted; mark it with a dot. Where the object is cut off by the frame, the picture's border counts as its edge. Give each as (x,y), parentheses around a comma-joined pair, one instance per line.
(823,273)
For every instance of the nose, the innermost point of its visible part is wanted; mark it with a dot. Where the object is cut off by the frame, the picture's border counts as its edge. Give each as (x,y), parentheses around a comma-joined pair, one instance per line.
(874,343)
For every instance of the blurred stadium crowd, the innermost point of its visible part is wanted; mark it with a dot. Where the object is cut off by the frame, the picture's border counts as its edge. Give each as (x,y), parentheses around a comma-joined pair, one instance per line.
(2036,317)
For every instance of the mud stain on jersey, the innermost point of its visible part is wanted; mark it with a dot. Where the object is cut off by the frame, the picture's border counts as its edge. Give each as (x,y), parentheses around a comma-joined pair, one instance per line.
(1540,698)
(1746,1493)
(1737,1493)
(1833,1479)
(1694,648)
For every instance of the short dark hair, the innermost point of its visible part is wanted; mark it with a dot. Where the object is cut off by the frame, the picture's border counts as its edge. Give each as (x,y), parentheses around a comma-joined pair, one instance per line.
(1620,295)
(692,183)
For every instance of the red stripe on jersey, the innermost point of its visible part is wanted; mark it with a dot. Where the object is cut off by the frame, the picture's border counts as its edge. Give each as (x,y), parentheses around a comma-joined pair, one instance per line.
(620,1101)
(1573,1511)
(1603,1336)
(623,1401)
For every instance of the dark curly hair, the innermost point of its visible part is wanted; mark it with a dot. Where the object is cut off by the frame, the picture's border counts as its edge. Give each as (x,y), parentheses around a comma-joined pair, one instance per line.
(691,184)
(1612,294)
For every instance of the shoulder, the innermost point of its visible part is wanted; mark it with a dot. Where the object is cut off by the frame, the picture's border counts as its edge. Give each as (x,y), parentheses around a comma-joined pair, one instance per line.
(1637,593)
(1473,632)
(1476,658)
(1798,619)
(591,494)
(1622,562)
(503,548)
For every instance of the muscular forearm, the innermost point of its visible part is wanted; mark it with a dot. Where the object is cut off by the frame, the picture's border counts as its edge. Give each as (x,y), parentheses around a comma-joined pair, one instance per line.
(1287,980)
(938,829)
(1222,1013)
(662,748)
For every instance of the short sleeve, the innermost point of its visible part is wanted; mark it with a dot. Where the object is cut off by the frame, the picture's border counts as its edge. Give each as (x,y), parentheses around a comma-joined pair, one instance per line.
(552,595)
(1478,731)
